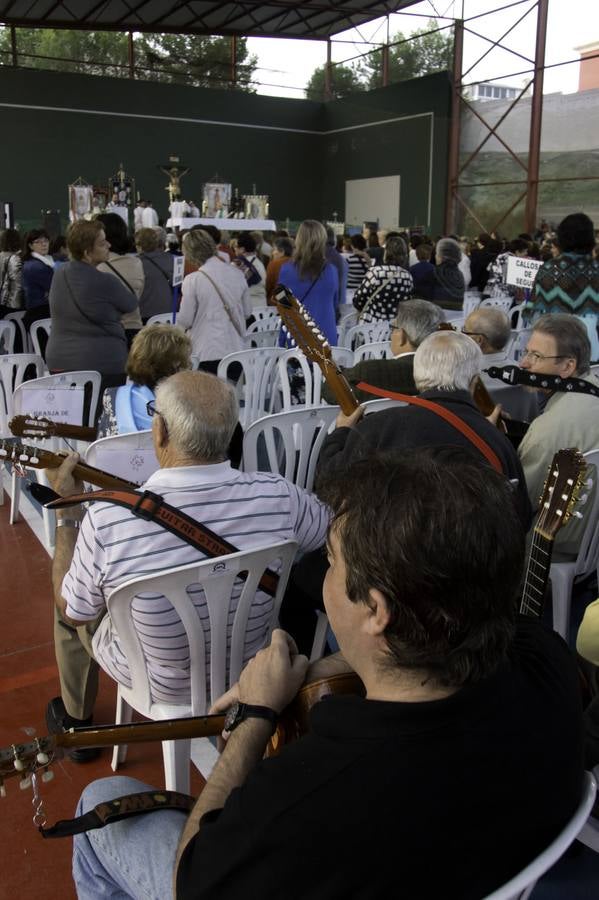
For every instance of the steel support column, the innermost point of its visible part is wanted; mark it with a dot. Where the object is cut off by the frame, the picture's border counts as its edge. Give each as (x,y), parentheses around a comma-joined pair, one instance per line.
(131,47)
(453,159)
(233,60)
(13,46)
(328,74)
(536,119)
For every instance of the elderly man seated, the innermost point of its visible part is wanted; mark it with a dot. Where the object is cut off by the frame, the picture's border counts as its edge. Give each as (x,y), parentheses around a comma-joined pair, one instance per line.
(415,320)
(194,415)
(490,328)
(459,763)
(446,367)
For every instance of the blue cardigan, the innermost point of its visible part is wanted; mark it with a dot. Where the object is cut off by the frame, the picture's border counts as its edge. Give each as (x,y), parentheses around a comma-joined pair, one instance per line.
(37,278)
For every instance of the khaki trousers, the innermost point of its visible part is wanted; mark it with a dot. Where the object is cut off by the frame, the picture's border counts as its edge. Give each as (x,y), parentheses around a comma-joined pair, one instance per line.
(77,668)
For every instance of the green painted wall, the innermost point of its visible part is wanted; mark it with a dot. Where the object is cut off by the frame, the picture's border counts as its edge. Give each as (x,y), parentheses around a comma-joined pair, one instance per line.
(290,149)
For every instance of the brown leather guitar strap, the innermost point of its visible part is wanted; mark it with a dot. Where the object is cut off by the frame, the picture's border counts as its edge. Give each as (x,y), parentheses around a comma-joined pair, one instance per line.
(117,809)
(480,444)
(152,508)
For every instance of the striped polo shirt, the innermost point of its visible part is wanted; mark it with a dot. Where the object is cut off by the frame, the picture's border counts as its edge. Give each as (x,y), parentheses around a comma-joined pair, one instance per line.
(248,509)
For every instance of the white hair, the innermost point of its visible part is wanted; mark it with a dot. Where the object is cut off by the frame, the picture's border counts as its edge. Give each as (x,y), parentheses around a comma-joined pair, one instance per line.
(446,361)
(200,413)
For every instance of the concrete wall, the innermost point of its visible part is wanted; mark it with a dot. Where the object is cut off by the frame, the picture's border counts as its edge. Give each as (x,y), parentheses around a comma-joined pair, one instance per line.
(56,126)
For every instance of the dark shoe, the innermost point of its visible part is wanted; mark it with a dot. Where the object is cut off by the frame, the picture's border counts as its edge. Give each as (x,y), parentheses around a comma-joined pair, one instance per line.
(58,721)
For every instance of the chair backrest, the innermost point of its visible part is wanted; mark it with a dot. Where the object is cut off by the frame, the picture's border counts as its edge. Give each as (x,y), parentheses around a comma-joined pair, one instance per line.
(44,325)
(366,333)
(254,385)
(161,319)
(219,581)
(348,317)
(292,364)
(80,391)
(13,368)
(265,312)
(520,887)
(516,316)
(518,342)
(376,350)
(17,316)
(471,302)
(129,456)
(7,336)
(499,301)
(289,443)
(372,406)
(263,332)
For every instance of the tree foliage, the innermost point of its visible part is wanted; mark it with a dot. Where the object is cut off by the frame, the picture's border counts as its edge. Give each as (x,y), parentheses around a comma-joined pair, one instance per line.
(421,54)
(344,80)
(190,59)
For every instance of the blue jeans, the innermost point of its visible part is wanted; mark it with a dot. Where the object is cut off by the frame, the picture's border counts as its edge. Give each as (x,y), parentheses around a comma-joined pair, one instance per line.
(134,858)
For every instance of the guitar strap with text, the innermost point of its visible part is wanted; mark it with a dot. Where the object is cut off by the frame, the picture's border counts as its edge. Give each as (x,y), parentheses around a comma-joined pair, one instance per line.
(515,375)
(153,508)
(117,809)
(474,438)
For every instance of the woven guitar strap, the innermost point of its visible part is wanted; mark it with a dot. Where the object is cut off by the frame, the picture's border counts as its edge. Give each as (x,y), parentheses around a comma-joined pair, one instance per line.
(469,433)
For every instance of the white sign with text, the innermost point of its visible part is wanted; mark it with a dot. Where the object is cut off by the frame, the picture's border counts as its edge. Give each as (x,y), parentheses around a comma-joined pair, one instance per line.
(134,464)
(60,404)
(178,269)
(521,271)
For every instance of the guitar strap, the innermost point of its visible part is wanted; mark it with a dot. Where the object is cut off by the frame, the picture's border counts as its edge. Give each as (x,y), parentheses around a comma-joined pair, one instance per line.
(153,508)
(117,809)
(474,438)
(515,375)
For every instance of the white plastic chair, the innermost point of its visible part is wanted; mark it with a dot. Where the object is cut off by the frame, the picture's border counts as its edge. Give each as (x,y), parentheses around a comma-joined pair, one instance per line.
(376,350)
(291,442)
(471,302)
(13,367)
(347,319)
(372,406)
(499,301)
(518,322)
(160,319)
(366,333)
(564,574)
(17,316)
(311,375)
(521,886)
(589,836)
(263,332)
(518,341)
(130,456)
(265,312)
(44,325)
(217,577)
(7,336)
(65,380)
(254,385)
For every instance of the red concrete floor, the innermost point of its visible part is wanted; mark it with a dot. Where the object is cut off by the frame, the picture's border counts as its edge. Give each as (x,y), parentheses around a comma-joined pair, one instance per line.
(31,866)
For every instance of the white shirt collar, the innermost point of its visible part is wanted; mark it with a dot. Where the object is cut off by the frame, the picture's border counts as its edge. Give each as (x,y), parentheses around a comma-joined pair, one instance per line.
(189,476)
(408,353)
(45,259)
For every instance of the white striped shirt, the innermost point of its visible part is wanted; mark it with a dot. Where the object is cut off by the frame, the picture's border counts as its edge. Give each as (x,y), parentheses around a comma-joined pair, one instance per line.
(247,509)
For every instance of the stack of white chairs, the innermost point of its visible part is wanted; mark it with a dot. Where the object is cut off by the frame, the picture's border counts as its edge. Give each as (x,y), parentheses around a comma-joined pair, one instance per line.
(294,362)
(13,367)
(265,312)
(264,332)
(500,300)
(219,580)
(54,385)
(7,336)
(366,333)
(254,386)
(17,316)
(41,326)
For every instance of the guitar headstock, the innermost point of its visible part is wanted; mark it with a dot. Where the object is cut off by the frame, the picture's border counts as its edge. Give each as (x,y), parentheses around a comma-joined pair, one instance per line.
(26,457)
(30,427)
(300,325)
(22,760)
(560,492)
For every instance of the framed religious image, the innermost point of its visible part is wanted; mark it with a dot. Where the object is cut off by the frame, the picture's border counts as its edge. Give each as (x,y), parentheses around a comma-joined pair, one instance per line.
(121,188)
(216,200)
(99,200)
(256,206)
(80,200)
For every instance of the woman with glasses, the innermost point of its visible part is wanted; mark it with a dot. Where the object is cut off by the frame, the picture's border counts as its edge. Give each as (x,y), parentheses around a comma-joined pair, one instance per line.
(38,270)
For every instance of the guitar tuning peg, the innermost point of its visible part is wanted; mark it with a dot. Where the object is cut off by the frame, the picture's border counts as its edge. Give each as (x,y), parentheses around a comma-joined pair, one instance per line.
(588,483)
(582,499)
(18,764)
(2,790)
(577,515)
(25,782)
(48,775)
(42,758)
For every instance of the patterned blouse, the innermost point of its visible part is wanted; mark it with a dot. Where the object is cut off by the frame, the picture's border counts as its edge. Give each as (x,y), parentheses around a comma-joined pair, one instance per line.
(382,290)
(567,284)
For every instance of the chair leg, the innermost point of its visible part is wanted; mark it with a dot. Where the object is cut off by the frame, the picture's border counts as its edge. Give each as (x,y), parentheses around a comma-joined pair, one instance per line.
(562,578)
(16,483)
(176,757)
(123,716)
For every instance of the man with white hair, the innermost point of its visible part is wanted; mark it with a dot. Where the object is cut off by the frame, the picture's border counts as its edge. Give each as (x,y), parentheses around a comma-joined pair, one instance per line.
(194,415)
(446,367)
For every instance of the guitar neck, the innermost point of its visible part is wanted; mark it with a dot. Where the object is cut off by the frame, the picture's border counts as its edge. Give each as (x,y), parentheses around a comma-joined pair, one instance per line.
(100,478)
(76,432)
(35,458)
(340,386)
(537,575)
(140,732)
(485,402)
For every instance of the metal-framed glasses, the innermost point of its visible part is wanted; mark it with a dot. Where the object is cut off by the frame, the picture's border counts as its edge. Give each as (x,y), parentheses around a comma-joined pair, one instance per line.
(151,408)
(535,357)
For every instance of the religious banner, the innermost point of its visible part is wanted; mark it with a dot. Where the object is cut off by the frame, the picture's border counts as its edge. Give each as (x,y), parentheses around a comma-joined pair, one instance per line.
(80,200)
(256,206)
(521,272)
(217,200)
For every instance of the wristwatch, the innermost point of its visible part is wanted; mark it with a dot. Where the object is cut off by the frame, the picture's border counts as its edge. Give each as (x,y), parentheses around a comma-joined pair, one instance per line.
(239,712)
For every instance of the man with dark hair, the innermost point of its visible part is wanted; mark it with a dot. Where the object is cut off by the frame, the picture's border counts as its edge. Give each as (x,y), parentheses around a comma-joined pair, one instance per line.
(559,345)
(441,780)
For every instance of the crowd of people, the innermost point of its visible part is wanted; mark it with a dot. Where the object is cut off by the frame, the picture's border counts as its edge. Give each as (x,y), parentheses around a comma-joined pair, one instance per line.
(413,542)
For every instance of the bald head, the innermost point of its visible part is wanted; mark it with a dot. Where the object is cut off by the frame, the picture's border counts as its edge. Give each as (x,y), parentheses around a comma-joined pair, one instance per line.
(489,327)
(200,414)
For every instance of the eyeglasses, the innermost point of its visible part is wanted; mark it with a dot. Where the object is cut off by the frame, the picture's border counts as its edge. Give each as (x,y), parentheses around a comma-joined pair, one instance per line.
(151,408)
(535,357)
(41,240)
(394,327)
(474,334)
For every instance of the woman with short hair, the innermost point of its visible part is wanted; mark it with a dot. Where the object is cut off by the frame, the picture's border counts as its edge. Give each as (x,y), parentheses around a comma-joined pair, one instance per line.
(385,286)
(37,273)
(312,279)
(124,265)
(86,307)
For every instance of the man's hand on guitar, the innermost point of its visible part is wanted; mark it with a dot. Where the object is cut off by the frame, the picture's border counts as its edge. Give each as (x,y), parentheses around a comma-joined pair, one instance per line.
(343,421)
(62,479)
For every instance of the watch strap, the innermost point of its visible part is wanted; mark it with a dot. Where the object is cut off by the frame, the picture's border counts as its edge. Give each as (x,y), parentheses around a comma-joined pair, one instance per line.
(250,711)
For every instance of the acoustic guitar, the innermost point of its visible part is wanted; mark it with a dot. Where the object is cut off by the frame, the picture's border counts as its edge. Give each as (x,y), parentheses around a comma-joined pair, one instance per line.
(561,493)
(31,427)
(23,456)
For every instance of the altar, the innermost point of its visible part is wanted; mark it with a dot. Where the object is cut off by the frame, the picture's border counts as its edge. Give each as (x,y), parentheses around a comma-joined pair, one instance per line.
(224,224)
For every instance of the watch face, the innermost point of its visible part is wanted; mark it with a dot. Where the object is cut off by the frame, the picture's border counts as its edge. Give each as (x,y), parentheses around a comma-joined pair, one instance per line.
(232,717)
